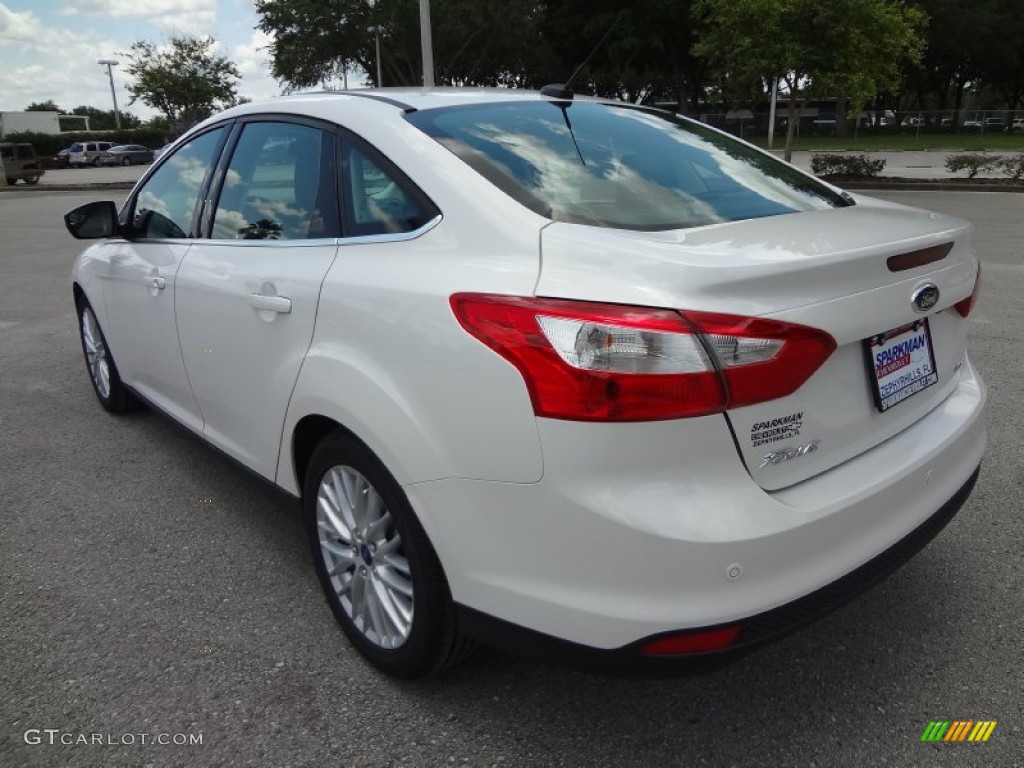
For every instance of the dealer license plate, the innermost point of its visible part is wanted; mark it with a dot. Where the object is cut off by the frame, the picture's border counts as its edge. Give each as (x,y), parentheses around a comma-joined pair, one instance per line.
(902,363)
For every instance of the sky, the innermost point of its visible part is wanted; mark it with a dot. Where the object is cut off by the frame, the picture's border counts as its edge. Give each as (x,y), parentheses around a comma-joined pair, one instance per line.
(49,48)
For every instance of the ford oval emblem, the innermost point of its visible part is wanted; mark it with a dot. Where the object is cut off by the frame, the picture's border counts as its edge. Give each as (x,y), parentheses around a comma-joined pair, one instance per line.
(925,297)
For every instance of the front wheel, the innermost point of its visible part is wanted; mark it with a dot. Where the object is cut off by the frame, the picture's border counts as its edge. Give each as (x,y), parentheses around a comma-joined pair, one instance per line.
(106,382)
(126,161)
(31,179)
(380,574)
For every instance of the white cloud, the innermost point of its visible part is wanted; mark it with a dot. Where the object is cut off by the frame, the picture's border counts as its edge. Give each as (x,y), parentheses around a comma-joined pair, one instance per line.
(17,27)
(194,16)
(253,61)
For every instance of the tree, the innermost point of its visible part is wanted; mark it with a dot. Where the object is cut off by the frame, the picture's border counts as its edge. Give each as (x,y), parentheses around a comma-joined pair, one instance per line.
(103,119)
(184,80)
(848,48)
(43,106)
(641,51)
(476,42)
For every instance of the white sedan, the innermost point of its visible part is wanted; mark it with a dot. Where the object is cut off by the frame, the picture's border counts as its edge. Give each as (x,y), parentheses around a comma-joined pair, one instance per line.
(556,373)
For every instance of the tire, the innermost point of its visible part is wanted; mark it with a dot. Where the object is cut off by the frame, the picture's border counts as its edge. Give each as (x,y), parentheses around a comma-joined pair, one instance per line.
(31,179)
(388,591)
(106,382)
(11,180)
(96,162)
(126,161)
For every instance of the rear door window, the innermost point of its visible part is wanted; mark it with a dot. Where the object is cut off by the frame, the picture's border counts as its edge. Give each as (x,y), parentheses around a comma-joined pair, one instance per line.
(279,185)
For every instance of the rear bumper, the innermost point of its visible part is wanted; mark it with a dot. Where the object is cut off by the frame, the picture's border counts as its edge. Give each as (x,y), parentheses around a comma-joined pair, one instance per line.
(754,631)
(640,530)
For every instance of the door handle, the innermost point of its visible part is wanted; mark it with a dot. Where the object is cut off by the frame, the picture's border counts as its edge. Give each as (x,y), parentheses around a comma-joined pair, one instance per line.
(280,304)
(157,282)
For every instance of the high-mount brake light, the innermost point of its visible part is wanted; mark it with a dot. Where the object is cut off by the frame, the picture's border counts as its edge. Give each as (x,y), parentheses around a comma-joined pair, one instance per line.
(587,361)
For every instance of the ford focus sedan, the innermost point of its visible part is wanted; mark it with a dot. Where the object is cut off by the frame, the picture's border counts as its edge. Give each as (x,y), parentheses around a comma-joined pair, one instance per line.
(574,377)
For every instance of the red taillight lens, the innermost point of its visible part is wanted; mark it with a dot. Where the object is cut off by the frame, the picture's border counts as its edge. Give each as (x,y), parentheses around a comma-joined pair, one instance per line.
(763,359)
(692,642)
(964,306)
(607,362)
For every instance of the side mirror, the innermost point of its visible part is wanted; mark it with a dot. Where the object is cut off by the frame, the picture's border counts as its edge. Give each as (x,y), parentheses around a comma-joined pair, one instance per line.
(92,220)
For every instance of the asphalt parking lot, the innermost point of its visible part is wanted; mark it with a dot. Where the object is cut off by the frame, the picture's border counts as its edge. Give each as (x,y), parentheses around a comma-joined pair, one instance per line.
(149,586)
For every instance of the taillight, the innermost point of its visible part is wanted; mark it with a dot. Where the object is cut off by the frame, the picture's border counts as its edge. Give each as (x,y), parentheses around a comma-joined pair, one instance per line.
(964,306)
(608,362)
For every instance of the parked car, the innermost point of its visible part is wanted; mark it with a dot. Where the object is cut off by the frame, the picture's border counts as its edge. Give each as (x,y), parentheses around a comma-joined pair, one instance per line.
(83,153)
(127,154)
(728,398)
(1017,124)
(995,124)
(20,162)
(61,159)
(160,151)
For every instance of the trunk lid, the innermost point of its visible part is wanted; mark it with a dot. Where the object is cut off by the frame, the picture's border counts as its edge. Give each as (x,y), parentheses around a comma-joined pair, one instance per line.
(826,269)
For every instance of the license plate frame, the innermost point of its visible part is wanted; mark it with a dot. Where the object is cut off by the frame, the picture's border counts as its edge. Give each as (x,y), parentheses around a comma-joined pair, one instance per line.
(896,373)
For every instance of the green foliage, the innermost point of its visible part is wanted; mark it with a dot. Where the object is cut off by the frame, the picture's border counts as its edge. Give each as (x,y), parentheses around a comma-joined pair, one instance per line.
(47,145)
(1013,167)
(973,162)
(846,165)
(850,48)
(476,42)
(183,80)
(44,106)
(103,119)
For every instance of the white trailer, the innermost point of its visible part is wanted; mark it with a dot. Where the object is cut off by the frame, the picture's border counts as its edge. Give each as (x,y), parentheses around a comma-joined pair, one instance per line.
(19,122)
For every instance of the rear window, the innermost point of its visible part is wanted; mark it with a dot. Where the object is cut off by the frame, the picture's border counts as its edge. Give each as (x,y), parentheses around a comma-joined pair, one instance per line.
(620,166)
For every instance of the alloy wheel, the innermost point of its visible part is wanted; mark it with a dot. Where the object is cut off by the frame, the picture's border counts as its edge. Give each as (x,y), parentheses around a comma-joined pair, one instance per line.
(95,353)
(364,559)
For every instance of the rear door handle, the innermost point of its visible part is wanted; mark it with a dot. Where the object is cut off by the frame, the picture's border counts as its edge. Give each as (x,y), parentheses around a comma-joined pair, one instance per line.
(280,304)
(157,282)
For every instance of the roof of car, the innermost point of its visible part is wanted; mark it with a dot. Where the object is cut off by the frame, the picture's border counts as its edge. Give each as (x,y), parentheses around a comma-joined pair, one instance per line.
(408,99)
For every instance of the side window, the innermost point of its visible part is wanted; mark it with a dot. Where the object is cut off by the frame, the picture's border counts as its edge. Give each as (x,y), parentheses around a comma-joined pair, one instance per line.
(378,200)
(167,202)
(7,152)
(279,185)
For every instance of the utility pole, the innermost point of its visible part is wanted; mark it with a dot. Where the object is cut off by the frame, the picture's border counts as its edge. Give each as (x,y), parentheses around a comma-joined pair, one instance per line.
(427,45)
(771,112)
(113,94)
(375,31)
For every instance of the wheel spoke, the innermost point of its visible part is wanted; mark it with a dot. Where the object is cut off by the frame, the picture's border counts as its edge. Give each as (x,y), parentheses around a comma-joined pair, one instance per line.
(390,547)
(394,580)
(333,520)
(376,611)
(345,560)
(345,506)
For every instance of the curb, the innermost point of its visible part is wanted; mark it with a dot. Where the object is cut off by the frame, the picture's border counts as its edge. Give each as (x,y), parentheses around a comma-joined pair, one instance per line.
(928,186)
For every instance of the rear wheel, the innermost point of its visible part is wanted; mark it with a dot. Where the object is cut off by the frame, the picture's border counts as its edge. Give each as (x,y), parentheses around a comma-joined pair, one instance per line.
(12,180)
(31,179)
(380,574)
(106,381)
(126,161)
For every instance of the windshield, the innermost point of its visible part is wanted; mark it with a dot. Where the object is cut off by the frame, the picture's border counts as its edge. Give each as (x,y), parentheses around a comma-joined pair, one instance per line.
(620,166)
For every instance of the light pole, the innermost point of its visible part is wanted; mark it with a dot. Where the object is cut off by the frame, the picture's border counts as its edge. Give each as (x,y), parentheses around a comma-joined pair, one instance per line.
(110,73)
(426,44)
(375,31)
